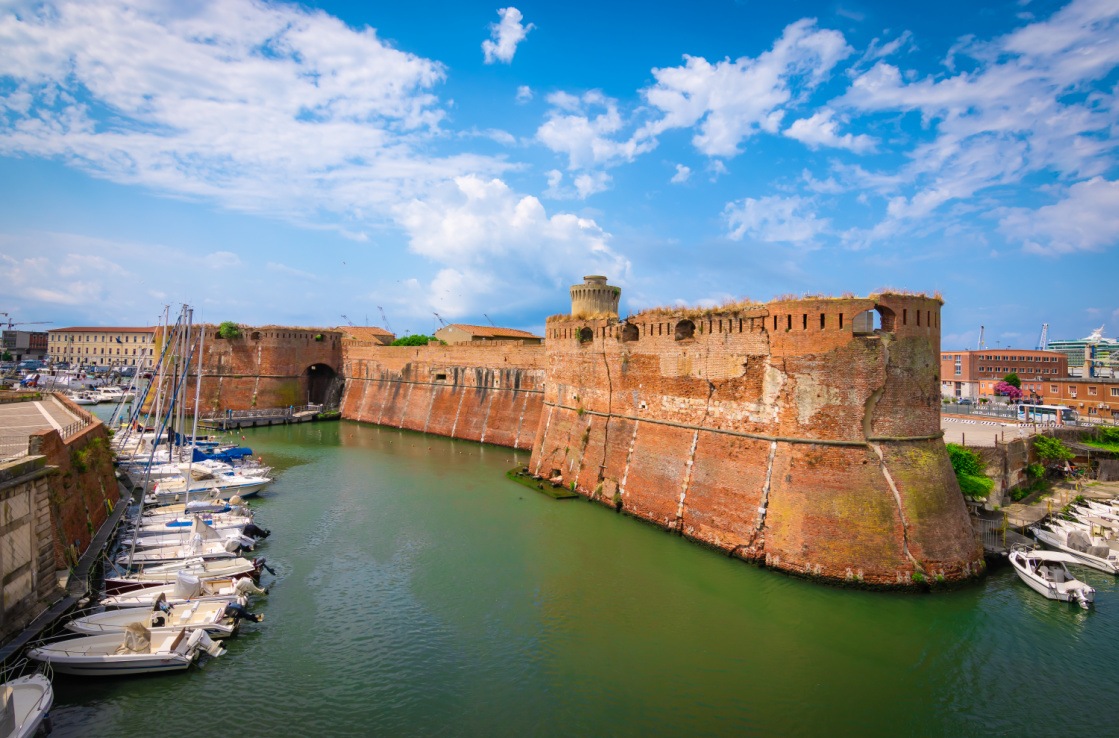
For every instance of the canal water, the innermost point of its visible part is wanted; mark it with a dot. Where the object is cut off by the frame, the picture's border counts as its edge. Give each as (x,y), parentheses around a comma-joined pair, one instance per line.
(419,592)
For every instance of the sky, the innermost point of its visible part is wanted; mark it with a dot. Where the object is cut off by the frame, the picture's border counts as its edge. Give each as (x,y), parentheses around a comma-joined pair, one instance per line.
(312,164)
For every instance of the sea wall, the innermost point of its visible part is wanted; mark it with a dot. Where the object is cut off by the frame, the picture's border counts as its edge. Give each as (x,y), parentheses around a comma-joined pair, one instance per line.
(266,367)
(491,393)
(83,487)
(27,563)
(804,434)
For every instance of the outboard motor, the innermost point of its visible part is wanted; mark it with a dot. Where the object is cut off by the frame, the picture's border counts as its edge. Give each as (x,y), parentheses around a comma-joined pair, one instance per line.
(254,530)
(238,611)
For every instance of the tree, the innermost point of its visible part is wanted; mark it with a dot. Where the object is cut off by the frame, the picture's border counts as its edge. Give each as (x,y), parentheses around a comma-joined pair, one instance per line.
(6,356)
(1051,449)
(229,330)
(1012,380)
(1008,390)
(414,340)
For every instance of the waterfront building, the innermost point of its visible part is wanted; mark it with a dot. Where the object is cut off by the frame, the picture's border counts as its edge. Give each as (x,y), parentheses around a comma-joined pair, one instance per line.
(462,333)
(974,374)
(1093,398)
(101,346)
(25,344)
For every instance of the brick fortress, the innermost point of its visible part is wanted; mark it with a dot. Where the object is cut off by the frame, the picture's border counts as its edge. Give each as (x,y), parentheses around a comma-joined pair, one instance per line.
(802,434)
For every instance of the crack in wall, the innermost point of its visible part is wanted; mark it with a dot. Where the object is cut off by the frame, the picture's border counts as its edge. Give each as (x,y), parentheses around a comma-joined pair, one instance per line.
(544,440)
(609,411)
(404,409)
(629,455)
(679,522)
(520,423)
(763,508)
(430,407)
(486,420)
(454,426)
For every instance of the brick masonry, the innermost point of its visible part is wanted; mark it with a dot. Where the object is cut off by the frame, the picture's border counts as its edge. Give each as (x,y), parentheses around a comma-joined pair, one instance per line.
(784,433)
(792,433)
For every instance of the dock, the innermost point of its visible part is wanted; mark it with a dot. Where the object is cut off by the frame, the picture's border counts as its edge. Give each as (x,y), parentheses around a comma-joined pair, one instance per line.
(236,419)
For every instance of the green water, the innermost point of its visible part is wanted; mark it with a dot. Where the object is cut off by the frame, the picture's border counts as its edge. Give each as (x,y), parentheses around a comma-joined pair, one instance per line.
(419,592)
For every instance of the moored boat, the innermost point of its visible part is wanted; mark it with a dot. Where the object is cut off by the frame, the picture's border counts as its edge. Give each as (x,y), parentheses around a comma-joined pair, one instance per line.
(187,589)
(26,701)
(1078,543)
(137,651)
(218,619)
(1046,573)
(160,574)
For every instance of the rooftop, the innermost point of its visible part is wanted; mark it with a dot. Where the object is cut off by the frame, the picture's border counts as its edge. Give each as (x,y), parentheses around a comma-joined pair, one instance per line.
(489,331)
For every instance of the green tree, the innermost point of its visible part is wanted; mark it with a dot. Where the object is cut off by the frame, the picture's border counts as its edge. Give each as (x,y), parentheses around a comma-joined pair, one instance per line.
(1051,449)
(1013,380)
(415,340)
(229,330)
(970,472)
(6,356)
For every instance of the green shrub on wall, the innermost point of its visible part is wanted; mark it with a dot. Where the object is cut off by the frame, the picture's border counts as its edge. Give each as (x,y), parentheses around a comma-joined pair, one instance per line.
(970,473)
(229,330)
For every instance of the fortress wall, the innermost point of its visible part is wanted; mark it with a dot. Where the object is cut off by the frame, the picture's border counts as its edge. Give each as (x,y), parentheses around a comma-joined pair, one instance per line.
(490,393)
(264,367)
(784,432)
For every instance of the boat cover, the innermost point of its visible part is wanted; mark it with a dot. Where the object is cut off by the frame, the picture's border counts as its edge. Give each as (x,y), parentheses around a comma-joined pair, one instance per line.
(137,639)
(187,586)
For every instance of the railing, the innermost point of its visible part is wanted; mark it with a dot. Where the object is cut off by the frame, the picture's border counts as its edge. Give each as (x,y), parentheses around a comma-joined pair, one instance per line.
(271,412)
(993,533)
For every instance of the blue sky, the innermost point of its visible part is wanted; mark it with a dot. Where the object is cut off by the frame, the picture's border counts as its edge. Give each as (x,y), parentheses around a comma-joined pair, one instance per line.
(278,163)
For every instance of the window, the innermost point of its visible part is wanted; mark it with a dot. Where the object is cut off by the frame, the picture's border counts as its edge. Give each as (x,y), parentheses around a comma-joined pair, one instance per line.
(1091,391)
(1115,391)
(1072,391)
(1054,389)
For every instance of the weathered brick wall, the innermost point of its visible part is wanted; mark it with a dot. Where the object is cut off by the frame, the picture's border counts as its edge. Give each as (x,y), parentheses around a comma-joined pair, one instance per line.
(774,432)
(491,393)
(264,367)
(82,489)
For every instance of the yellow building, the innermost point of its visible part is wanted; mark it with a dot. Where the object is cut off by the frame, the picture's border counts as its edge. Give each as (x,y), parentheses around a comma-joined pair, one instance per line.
(111,347)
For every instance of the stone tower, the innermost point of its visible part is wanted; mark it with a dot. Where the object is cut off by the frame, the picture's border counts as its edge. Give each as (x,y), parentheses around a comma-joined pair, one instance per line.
(595,298)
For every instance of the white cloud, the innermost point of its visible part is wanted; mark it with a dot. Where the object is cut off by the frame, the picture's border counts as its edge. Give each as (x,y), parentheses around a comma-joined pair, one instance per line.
(581,128)
(732,101)
(1027,103)
(583,185)
(505,36)
(821,130)
(279,268)
(524,94)
(492,241)
(773,220)
(222,260)
(682,174)
(267,108)
(1085,219)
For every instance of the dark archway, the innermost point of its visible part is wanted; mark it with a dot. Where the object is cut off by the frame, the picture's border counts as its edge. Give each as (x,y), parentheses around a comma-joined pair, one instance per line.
(630,332)
(685,329)
(321,379)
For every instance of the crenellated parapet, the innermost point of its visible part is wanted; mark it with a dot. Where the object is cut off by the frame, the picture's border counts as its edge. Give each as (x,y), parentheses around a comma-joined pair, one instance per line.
(804,433)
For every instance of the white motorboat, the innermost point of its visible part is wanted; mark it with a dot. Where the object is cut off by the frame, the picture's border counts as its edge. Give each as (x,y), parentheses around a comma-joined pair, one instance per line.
(147,539)
(1078,543)
(136,651)
(150,576)
(195,507)
(187,589)
(83,398)
(218,619)
(168,523)
(1046,573)
(208,486)
(26,701)
(115,394)
(204,542)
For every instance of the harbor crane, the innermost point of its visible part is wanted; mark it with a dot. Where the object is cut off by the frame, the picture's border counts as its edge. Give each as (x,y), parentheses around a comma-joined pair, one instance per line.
(440,317)
(490,320)
(386,319)
(348,321)
(1043,339)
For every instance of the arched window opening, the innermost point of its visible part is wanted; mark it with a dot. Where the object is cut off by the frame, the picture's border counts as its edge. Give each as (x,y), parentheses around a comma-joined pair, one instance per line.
(685,329)
(630,333)
(586,335)
(255,335)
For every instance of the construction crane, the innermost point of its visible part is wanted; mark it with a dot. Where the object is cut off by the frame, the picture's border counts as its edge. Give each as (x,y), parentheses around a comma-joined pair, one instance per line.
(491,321)
(386,319)
(979,346)
(348,321)
(440,317)
(1043,339)
(11,323)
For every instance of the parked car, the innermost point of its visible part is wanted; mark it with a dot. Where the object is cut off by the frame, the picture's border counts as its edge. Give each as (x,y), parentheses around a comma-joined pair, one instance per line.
(964,401)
